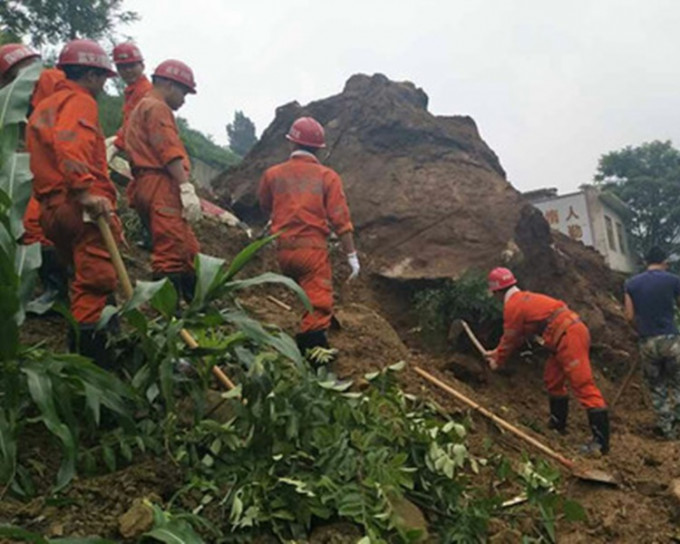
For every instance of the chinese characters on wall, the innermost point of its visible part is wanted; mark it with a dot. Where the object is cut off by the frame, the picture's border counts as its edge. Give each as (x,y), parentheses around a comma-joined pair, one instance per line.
(574,229)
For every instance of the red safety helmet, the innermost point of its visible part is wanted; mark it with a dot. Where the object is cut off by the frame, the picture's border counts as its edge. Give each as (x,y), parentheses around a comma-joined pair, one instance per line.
(307,131)
(177,71)
(501,278)
(85,53)
(12,53)
(127,53)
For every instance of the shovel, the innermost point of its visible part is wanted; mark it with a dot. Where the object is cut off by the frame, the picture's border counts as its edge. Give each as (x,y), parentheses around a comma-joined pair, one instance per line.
(118,264)
(455,330)
(581,472)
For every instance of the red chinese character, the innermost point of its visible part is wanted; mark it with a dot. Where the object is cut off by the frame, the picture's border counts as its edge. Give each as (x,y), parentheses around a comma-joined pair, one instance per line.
(552,217)
(575,232)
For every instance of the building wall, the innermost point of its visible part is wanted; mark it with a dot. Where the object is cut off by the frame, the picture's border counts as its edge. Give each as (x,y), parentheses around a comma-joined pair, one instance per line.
(609,233)
(584,217)
(203,173)
(569,215)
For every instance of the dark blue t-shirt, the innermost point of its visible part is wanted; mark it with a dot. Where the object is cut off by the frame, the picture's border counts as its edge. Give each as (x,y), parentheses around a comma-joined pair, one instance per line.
(654,294)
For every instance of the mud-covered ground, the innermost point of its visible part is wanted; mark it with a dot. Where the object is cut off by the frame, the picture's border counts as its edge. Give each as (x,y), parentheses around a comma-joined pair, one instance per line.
(376,327)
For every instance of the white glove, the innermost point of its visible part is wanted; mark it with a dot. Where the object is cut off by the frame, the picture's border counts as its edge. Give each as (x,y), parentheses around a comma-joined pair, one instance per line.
(353,260)
(229,219)
(191,204)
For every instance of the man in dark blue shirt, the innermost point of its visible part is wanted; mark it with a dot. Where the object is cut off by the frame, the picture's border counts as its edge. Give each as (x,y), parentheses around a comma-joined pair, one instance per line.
(650,302)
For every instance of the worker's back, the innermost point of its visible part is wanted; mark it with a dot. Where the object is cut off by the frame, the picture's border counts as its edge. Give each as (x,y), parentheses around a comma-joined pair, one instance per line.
(654,294)
(305,198)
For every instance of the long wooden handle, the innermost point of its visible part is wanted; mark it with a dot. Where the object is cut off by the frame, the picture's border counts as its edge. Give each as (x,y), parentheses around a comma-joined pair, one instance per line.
(624,385)
(118,264)
(471,335)
(497,420)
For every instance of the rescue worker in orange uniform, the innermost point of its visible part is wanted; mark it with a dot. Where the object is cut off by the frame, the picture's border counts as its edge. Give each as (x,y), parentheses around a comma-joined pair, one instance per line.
(68,161)
(13,58)
(526,314)
(305,200)
(164,195)
(130,66)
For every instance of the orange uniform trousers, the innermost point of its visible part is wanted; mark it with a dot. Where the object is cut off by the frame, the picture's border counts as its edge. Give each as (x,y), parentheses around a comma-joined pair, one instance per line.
(310,267)
(82,245)
(570,363)
(157,200)
(33,232)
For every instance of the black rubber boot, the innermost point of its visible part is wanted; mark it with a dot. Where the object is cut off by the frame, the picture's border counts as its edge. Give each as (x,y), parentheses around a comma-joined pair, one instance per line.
(54,279)
(93,344)
(559,412)
(145,240)
(311,340)
(598,418)
(183,282)
(308,341)
(53,274)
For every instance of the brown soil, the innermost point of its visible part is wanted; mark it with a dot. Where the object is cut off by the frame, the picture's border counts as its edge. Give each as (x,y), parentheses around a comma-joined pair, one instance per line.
(429,199)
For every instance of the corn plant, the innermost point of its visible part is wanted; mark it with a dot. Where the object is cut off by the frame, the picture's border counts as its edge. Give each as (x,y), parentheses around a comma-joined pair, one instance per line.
(67,392)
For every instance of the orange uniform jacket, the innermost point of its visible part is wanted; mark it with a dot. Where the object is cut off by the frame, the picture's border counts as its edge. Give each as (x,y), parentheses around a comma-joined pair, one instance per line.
(526,314)
(305,199)
(153,141)
(46,85)
(68,154)
(67,145)
(133,95)
(152,135)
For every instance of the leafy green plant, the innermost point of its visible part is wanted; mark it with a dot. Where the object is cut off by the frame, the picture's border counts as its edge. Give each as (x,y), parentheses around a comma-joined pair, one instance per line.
(302,448)
(466,298)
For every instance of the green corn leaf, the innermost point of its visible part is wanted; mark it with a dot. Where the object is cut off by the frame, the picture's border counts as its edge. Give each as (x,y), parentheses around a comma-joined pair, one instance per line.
(17,534)
(15,181)
(144,292)
(41,391)
(175,532)
(254,330)
(15,97)
(209,275)
(27,260)
(109,457)
(8,448)
(246,255)
(270,277)
(165,300)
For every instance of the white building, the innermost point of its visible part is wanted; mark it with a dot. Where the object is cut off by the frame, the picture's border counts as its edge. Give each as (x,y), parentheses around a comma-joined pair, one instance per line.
(591,216)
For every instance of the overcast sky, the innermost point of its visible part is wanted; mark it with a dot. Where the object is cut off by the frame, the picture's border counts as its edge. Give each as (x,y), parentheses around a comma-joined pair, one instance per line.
(552,85)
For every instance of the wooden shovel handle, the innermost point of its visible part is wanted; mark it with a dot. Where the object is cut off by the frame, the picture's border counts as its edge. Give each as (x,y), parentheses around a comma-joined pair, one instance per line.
(471,335)
(624,385)
(497,420)
(118,264)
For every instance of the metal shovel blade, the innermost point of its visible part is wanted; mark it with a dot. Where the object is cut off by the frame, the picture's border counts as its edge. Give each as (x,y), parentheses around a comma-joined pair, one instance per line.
(593,475)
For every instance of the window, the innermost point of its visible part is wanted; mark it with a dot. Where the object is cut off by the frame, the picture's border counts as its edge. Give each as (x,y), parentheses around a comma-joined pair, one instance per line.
(620,235)
(610,232)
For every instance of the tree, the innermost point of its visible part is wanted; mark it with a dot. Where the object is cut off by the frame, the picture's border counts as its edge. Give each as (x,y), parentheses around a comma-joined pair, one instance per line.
(50,21)
(204,148)
(110,112)
(241,134)
(647,179)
